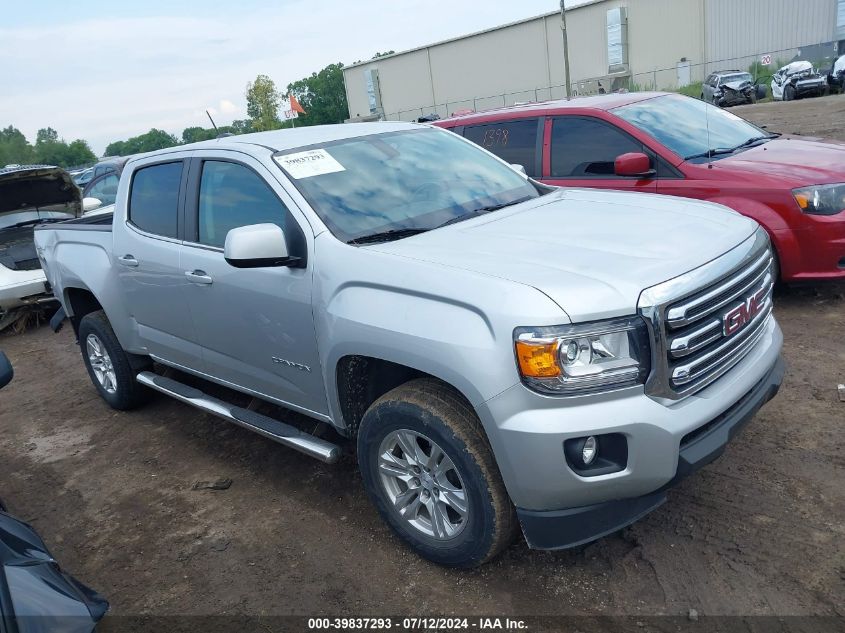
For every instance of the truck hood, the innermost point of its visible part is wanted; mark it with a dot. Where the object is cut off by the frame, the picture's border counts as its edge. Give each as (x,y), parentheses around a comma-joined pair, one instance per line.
(800,160)
(592,252)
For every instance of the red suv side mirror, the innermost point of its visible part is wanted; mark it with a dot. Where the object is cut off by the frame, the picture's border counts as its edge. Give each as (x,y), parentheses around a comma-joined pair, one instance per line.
(633,164)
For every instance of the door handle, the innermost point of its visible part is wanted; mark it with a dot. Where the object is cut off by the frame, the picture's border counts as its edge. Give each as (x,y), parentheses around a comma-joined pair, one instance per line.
(198,277)
(128,260)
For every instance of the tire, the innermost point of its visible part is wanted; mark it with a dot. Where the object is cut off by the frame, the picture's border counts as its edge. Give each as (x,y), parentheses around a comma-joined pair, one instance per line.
(424,415)
(789,93)
(111,369)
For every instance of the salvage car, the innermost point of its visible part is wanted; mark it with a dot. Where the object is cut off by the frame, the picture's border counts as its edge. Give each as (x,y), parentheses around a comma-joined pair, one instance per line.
(731,87)
(36,595)
(836,76)
(502,353)
(29,195)
(797,80)
(676,145)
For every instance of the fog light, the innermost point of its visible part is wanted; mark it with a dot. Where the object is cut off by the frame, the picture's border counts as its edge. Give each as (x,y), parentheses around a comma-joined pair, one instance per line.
(590,450)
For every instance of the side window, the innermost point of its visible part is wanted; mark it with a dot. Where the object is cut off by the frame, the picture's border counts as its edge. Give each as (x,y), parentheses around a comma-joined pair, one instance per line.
(154,198)
(104,189)
(587,148)
(232,195)
(513,141)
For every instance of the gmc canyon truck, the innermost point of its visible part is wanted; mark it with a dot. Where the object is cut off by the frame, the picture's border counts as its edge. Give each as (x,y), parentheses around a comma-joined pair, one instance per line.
(503,354)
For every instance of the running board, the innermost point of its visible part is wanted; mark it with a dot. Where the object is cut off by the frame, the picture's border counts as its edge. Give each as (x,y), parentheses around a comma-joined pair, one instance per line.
(261,424)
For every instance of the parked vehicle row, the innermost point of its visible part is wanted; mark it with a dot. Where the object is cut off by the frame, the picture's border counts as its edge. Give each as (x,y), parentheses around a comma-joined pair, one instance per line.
(678,146)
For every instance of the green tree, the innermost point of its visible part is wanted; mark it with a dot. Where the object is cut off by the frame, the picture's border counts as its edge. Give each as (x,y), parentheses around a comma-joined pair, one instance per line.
(148,142)
(14,148)
(322,96)
(79,153)
(262,104)
(46,135)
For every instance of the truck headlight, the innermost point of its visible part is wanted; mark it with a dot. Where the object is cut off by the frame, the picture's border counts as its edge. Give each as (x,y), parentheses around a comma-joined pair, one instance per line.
(821,199)
(569,360)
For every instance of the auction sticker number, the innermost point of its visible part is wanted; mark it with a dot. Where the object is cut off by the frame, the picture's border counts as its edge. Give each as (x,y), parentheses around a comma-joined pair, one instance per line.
(314,162)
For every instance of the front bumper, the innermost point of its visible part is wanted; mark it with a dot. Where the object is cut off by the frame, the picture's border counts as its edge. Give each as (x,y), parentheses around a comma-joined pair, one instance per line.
(810,87)
(558,529)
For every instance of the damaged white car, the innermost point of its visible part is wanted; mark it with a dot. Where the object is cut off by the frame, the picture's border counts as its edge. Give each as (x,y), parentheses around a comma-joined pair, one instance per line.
(797,80)
(29,195)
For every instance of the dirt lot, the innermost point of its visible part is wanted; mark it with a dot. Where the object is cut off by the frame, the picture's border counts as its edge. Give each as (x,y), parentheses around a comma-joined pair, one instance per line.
(758,532)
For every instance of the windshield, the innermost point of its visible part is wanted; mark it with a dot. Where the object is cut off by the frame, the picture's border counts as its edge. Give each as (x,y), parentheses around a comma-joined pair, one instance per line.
(727,79)
(687,126)
(405,181)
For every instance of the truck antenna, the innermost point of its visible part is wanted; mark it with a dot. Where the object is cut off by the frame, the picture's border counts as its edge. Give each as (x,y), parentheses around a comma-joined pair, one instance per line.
(212,122)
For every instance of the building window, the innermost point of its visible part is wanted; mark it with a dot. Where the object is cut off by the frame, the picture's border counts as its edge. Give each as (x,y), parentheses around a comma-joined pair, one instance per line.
(617,39)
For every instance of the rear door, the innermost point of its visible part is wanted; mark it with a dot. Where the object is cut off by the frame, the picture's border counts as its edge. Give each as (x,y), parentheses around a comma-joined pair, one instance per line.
(255,324)
(580,151)
(147,260)
(518,141)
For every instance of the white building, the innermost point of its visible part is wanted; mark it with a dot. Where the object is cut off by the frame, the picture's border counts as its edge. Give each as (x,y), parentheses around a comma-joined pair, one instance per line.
(612,44)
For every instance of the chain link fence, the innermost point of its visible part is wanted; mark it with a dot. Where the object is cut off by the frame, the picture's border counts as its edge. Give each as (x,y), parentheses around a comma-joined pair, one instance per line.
(685,78)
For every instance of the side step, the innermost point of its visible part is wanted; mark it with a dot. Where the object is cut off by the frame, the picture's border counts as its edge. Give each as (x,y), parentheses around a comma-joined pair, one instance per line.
(261,424)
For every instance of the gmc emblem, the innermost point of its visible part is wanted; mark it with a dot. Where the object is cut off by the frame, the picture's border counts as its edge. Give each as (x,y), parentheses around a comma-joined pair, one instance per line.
(737,318)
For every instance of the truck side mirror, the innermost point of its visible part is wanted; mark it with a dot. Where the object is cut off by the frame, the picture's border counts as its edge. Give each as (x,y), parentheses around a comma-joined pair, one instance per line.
(89,204)
(519,168)
(633,164)
(257,246)
(6,371)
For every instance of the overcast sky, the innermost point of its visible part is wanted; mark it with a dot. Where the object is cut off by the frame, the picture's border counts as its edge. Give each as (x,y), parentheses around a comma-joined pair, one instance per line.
(105,71)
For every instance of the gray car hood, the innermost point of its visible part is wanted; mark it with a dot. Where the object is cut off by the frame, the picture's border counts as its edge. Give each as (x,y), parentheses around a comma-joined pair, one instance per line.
(32,187)
(591,251)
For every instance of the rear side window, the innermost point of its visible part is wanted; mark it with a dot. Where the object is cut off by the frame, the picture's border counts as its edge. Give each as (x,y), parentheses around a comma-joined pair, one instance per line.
(587,148)
(154,199)
(232,195)
(515,142)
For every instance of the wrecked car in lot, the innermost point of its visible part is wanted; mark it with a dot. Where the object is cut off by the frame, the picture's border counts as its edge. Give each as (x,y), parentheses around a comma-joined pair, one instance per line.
(836,76)
(36,595)
(797,80)
(29,195)
(731,87)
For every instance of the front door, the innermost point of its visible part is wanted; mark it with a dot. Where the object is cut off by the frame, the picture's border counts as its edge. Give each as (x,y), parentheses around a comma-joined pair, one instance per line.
(255,324)
(147,260)
(580,151)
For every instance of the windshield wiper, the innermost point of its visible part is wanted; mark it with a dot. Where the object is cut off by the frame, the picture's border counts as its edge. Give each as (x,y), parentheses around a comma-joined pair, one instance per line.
(386,236)
(716,151)
(480,211)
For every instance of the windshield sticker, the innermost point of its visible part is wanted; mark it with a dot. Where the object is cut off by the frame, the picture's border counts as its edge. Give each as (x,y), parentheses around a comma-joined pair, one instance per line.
(315,162)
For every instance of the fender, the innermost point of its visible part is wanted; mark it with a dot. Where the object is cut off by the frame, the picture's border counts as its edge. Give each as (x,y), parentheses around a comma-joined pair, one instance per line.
(780,233)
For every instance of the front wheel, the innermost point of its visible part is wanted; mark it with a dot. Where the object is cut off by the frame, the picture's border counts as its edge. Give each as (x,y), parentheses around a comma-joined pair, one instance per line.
(789,93)
(429,470)
(112,370)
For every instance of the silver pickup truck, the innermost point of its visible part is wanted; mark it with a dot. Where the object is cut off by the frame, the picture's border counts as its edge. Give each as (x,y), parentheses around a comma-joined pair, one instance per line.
(503,354)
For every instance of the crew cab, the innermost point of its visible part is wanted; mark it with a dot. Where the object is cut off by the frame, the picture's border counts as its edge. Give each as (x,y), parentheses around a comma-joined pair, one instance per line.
(502,354)
(670,144)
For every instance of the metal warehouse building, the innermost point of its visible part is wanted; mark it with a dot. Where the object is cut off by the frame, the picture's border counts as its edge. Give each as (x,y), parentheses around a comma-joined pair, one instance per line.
(646,44)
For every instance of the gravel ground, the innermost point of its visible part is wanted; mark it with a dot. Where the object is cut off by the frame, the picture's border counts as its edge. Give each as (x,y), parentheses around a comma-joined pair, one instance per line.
(758,532)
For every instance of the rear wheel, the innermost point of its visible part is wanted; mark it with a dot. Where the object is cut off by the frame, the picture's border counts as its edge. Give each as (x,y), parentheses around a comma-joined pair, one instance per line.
(112,370)
(429,470)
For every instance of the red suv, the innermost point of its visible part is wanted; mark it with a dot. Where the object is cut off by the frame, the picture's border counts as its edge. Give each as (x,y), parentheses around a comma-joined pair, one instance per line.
(676,145)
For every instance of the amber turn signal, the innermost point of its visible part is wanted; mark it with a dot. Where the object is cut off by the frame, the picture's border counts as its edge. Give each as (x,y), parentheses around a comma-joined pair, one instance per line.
(537,360)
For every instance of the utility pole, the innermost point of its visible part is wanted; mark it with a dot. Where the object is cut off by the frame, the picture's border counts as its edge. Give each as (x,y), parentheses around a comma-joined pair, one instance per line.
(565,46)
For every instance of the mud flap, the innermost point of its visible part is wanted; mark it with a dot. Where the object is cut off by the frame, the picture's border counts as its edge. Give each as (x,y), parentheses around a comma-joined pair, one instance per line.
(58,320)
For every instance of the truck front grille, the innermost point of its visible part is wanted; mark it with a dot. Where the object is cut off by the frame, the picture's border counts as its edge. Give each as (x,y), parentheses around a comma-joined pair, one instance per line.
(699,333)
